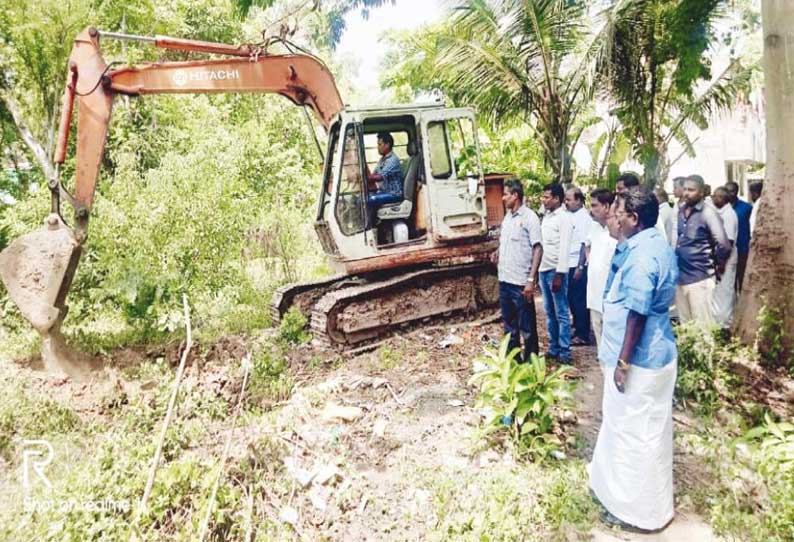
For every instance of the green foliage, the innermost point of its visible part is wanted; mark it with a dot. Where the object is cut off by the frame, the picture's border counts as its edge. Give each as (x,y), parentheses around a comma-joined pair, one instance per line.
(515,150)
(770,337)
(292,329)
(756,485)
(608,152)
(331,13)
(25,415)
(775,447)
(182,206)
(4,236)
(520,397)
(554,506)
(702,373)
(193,215)
(658,54)
(516,62)
(270,381)
(108,460)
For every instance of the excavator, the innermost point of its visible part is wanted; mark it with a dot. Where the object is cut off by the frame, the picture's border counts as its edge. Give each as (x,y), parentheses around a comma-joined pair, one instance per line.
(423,258)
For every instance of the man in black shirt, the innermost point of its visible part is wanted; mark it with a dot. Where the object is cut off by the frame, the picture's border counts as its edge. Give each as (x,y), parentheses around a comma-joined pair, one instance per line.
(702,249)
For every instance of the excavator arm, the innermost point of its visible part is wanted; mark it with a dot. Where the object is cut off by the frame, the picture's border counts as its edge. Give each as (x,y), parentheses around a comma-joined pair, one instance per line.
(37,268)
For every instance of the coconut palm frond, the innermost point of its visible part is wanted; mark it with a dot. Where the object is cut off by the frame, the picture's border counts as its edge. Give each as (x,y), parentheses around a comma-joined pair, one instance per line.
(721,95)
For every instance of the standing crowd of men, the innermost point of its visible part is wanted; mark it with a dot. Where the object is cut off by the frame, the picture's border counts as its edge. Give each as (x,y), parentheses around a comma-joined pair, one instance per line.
(625,266)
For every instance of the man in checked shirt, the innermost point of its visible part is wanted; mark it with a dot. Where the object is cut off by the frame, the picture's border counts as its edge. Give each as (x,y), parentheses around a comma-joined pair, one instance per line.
(388,175)
(518,259)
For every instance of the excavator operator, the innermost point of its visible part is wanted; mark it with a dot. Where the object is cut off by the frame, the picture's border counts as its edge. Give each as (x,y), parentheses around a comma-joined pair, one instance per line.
(388,175)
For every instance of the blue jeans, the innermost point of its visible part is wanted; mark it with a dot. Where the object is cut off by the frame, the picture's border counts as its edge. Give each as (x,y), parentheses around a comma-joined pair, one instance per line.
(558,319)
(519,319)
(375,199)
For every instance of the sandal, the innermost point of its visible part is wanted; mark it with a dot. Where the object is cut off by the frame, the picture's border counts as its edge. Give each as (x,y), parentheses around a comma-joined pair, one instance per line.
(611,521)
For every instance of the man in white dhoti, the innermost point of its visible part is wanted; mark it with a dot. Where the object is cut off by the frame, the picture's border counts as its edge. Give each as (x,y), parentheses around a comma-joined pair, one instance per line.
(725,290)
(631,472)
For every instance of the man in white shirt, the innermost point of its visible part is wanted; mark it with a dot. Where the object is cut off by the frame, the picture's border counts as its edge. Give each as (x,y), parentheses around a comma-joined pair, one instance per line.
(600,248)
(556,230)
(678,198)
(665,214)
(725,291)
(577,266)
(756,187)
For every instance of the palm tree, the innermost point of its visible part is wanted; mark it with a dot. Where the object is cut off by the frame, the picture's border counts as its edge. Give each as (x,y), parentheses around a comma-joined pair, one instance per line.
(522,61)
(656,58)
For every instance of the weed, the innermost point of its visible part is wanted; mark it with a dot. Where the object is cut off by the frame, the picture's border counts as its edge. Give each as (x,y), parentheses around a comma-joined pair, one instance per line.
(520,396)
(389,358)
(292,329)
(752,500)
(769,339)
(315,362)
(27,416)
(509,507)
(270,381)
(701,367)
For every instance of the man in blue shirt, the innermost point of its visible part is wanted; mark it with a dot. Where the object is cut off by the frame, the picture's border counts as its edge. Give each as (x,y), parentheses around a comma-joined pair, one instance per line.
(631,473)
(743,212)
(388,174)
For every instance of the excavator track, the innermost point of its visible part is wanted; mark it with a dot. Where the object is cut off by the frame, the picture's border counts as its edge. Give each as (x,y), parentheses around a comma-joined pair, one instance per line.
(302,294)
(350,316)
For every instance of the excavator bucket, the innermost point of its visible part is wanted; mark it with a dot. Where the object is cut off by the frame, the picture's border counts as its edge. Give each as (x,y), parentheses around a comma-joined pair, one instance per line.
(37,270)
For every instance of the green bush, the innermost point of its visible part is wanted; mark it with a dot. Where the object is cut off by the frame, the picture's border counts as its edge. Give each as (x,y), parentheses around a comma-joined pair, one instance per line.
(270,381)
(701,369)
(519,397)
(754,501)
(184,207)
(769,339)
(292,329)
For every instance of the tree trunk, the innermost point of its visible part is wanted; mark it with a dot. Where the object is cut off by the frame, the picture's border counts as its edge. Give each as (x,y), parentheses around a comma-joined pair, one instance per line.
(769,280)
(651,168)
(43,159)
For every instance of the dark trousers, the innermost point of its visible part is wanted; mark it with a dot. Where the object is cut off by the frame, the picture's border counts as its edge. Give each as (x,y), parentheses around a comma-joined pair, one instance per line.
(519,319)
(577,301)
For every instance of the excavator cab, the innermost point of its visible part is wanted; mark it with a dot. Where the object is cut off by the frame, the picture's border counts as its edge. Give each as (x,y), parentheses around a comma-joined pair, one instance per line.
(443,187)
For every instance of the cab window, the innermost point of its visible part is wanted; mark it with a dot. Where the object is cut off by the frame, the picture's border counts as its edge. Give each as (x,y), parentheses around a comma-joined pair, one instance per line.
(440,164)
(350,209)
(464,147)
(328,170)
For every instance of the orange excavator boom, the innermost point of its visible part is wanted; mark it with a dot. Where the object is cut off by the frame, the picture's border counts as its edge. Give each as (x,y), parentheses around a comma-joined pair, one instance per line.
(37,268)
